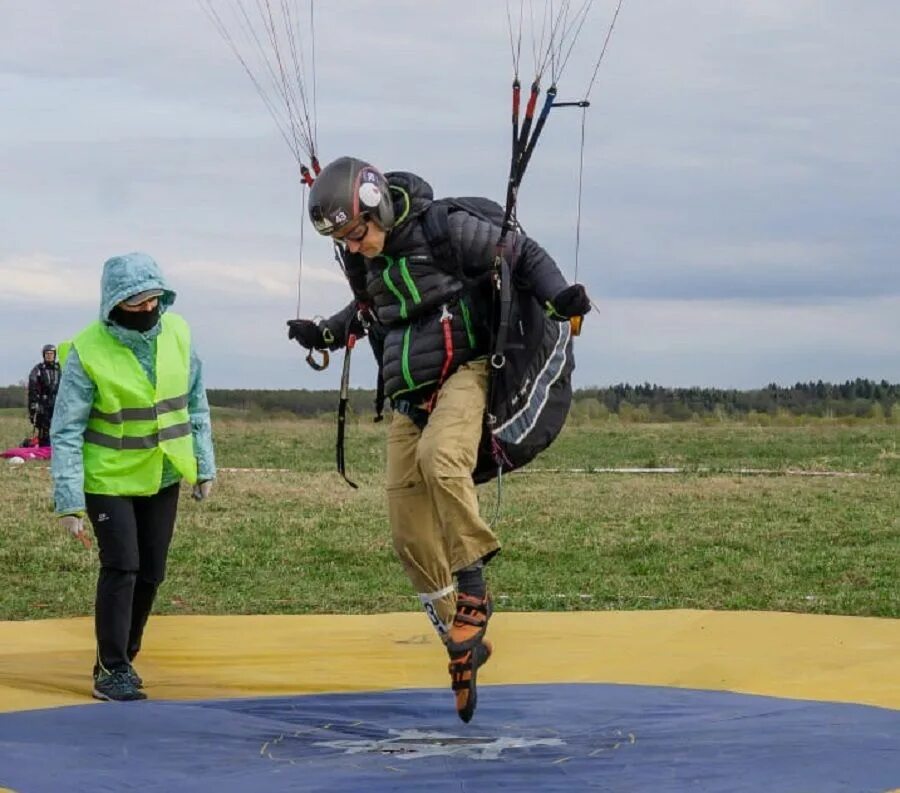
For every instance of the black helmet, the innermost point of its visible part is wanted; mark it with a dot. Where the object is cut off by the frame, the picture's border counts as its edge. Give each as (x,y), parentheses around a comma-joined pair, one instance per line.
(48,348)
(346,189)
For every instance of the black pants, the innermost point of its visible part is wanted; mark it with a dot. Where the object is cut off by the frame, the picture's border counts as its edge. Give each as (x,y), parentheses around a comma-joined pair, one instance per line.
(134,533)
(42,426)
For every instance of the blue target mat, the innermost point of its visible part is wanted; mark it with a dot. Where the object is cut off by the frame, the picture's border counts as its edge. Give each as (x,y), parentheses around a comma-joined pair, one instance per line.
(565,737)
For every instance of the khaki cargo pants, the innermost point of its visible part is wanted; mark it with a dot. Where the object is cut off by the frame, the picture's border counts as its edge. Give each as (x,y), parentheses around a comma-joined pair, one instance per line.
(432,501)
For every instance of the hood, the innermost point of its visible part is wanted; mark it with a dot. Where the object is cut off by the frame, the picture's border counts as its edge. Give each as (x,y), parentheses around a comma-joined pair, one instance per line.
(412,195)
(127,275)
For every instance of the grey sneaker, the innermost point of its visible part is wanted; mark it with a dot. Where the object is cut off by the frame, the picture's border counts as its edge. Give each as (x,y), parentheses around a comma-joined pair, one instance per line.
(135,677)
(132,673)
(116,686)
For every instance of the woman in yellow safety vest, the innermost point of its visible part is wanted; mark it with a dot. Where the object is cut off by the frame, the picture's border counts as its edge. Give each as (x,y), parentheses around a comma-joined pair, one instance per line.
(131,422)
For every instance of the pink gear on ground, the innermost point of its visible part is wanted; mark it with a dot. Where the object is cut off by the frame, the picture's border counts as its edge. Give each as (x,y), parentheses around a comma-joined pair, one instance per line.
(29,452)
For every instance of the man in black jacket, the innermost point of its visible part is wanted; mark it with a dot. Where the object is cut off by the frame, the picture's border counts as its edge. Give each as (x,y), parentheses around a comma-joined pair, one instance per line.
(434,328)
(43,382)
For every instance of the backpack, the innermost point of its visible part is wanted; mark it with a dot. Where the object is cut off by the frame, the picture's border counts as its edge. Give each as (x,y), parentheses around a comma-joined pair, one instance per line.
(529,396)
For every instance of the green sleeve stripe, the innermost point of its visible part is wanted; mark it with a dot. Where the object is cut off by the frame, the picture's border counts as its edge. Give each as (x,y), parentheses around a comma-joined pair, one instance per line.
(408,280)
(550,311)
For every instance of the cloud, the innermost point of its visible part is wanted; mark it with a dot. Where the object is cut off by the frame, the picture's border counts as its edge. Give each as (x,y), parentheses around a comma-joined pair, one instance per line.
(731,326)
(43,280)
(738,344)
(740,174)
(255,278)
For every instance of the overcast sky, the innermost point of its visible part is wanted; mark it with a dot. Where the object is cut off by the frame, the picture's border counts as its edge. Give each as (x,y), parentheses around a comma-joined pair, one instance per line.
(742,176)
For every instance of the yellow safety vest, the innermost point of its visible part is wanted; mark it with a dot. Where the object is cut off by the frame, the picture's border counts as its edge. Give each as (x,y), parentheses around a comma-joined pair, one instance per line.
(133,427)
(62,352)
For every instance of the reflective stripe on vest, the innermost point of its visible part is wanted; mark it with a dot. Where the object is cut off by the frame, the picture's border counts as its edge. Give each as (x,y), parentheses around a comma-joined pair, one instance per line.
(142,414)
(133,426)
(140,442)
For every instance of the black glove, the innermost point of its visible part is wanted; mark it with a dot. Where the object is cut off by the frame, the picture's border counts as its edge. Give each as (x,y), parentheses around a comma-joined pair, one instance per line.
(306,333)
(573,301)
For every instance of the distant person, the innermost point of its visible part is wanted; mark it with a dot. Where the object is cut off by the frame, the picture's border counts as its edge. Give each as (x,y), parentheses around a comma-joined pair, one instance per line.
(43,383)
(131,422)
(434,314)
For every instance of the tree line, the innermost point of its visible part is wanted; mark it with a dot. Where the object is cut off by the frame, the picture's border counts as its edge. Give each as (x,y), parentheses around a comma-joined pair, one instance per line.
(853,398)
(859,398)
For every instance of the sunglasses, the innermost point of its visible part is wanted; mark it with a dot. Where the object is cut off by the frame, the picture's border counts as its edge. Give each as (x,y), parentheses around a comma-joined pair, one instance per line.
(144,305)
(355,234)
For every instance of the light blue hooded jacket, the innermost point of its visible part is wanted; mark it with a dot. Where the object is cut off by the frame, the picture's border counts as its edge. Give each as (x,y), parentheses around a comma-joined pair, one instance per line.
(123,276)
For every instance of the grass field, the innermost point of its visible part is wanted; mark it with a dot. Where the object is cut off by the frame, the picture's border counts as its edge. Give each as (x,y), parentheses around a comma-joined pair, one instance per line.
(300,540)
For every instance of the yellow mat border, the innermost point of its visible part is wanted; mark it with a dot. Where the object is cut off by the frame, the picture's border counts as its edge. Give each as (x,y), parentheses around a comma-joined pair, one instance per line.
(47,663)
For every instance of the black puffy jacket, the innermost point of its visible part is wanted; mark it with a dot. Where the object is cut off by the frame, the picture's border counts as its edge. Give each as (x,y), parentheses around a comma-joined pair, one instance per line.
(408,291)
(43,383)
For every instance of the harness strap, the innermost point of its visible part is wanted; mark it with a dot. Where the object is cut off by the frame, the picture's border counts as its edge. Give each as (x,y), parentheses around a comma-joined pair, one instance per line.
(417,415)
(447,326)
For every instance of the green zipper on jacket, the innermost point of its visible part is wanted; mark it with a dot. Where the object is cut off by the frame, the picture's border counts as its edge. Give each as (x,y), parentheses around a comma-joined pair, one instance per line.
(408,281)
(404,359)
(389,283)
(467,321)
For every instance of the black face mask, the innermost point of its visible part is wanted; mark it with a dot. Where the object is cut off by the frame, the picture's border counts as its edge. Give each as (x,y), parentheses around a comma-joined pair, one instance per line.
(141,321)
